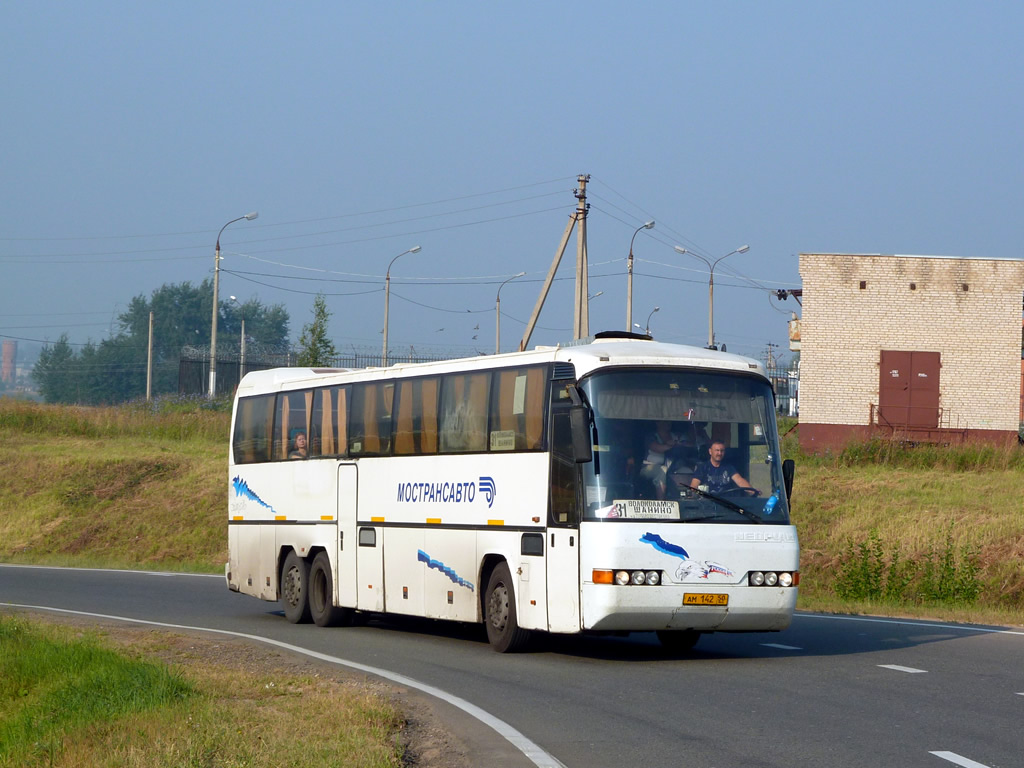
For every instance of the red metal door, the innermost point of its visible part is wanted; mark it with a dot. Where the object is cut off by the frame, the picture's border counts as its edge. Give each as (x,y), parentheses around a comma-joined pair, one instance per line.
(924,389)
(908,389)
(894,388)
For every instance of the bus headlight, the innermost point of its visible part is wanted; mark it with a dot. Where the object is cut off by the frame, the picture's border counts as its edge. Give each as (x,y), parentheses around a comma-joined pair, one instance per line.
(637,578)
(773,578)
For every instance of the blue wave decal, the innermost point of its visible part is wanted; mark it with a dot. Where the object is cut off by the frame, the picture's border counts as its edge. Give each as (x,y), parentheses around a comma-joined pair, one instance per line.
(664,546)
(242,489)
(423,557)
(488,489)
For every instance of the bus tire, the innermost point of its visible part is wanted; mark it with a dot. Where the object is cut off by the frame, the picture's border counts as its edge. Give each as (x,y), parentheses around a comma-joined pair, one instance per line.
(678,640)
(321,595)
(503,630)
(295,589)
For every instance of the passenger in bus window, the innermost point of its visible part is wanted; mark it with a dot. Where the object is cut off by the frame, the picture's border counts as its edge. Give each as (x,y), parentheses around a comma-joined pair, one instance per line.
(298,450)
(716,476)
(656,464)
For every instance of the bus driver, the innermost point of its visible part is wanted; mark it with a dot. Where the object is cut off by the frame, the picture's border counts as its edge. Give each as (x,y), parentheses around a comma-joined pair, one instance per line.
(716,476)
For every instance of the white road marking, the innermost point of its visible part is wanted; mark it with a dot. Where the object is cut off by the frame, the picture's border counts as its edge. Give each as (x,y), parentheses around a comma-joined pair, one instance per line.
(953,757)
(909,623)
(782,647)
(898,668)
(534,753)
(115,570)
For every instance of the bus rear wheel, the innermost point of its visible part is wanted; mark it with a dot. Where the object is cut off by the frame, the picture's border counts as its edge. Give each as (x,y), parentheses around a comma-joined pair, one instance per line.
(321,595)
(503,630)
(678,640)
(295,589)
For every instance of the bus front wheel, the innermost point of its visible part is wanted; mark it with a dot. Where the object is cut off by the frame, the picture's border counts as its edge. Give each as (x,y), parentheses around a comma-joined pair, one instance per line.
(295,589)
(321,595)
(503,630)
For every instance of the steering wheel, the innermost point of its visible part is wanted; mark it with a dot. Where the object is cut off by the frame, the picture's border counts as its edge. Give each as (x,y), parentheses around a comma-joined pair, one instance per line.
(739,490)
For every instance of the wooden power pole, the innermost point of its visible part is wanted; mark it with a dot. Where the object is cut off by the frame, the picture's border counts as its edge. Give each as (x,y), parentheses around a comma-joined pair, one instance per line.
(581,322)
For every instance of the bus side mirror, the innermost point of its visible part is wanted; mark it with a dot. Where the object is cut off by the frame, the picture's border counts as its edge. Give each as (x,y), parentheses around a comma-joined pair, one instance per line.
(788,468)
(579,425)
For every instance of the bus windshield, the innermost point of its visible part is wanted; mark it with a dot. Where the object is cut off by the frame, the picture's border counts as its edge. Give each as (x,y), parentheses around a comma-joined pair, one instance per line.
(683,445)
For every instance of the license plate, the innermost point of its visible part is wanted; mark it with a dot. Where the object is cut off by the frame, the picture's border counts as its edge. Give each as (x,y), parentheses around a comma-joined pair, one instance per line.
(705,598)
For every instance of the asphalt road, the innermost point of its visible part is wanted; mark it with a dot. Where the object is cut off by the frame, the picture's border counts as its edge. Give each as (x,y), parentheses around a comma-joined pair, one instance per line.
(830,691)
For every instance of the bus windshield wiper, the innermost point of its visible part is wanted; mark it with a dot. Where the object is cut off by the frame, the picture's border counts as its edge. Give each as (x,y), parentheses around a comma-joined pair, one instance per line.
(728,505)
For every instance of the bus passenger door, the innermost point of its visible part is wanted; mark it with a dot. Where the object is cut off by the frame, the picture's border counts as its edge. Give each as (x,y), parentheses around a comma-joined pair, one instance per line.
(563,534)
(347,539)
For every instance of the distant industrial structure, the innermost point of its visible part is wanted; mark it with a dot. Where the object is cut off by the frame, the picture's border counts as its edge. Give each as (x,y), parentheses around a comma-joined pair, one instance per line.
(8,366)
(919,348)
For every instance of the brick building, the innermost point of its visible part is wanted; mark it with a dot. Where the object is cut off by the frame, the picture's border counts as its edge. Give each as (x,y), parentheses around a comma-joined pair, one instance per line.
(917,347)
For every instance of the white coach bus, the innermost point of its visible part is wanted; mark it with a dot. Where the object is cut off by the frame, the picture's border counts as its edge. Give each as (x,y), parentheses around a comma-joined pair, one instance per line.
(521,490)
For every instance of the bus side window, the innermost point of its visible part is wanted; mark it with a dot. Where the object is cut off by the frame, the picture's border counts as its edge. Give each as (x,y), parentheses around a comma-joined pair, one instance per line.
(416,417)
(328,425)
(564,472)
(517,409)
(290,420)
(463,413)
(371,419)
(253,422)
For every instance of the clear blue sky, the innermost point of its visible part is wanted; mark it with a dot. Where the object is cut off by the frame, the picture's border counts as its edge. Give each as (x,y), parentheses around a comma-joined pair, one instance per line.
(132,132)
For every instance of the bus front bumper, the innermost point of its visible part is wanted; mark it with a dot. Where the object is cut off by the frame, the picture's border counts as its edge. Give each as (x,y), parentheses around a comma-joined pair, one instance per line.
(645,608)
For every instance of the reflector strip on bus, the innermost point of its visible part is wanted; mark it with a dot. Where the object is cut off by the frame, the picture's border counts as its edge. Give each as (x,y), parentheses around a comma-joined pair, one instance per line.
(280,517)
(495,522)
(238,517)
(326,517)
(376,519)
(433,521)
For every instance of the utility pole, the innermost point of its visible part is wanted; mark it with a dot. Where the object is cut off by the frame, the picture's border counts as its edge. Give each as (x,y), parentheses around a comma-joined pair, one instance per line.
(769,359)
(581,326)
(581,322)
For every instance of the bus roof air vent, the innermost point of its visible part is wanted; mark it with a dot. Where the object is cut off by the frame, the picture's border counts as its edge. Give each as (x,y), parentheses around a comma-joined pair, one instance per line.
(622,335)
(563,371)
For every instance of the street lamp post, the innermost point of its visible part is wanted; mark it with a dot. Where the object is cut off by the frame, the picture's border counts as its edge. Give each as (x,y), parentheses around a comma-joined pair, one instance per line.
(629,275)
(711,286)
(241,353)
(497,314)
(387,296)
(216,286)
(647,329)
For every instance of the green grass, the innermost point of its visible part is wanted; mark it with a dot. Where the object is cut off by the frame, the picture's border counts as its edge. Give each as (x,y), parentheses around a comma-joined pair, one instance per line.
(69,698)
(52,688)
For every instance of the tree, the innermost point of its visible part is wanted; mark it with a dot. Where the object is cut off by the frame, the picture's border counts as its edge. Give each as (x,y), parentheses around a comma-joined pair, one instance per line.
(316,350)
(53,373)
(115,369)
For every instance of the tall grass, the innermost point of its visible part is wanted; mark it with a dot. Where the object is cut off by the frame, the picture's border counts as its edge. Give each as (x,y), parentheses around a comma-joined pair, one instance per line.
(168,418)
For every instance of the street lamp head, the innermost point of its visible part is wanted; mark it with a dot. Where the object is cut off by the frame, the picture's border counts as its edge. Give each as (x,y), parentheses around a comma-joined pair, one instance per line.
(415,249)
(251,216)
(655,310)
(233,298)
(743,249)
(649,224)
(680,249)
